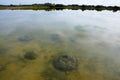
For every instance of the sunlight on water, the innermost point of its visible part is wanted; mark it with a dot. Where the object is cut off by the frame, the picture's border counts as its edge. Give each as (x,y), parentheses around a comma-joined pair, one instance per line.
(30,40)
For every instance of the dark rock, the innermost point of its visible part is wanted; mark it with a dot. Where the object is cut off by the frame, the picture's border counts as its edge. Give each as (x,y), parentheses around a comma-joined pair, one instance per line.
(30,55)
(65,62)
(25,38)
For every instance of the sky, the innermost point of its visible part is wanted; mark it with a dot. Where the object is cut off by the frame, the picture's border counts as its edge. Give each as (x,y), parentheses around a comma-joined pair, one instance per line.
(88,2)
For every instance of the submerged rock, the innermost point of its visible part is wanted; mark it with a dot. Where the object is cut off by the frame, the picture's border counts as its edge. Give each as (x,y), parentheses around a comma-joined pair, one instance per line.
(2,68)
(25,38)
(30,55)
(54,37)
(3,50)
(72,40)
(65,62)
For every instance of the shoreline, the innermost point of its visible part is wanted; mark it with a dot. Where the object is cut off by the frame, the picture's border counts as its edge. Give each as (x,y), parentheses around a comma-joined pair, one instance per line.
(50,6)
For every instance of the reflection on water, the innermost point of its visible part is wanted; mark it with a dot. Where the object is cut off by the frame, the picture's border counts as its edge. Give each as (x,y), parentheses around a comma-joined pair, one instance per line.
(29,40)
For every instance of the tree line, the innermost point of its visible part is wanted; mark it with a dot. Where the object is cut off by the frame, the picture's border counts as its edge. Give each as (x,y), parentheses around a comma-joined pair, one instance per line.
(50,6)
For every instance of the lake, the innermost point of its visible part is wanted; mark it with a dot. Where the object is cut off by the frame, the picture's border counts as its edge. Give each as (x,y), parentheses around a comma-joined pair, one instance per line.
(30,40)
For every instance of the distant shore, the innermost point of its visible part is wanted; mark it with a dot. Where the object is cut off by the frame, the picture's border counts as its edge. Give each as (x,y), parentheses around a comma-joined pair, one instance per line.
(50,6)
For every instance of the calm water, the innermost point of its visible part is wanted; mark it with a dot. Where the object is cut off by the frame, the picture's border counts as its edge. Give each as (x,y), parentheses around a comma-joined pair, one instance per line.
(90,36)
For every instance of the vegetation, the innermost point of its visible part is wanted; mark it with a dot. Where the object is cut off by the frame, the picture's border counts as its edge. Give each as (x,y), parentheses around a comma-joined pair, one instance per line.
(50,6)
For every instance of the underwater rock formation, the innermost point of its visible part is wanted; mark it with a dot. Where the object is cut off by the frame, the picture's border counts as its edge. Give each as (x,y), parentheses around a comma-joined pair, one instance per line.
(30,55)
(3,50)
(2,68)
(72,40)
(65,62)
(25,38)
(55,37)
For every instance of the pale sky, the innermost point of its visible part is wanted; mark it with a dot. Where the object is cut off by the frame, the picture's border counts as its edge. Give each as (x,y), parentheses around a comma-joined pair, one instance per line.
(88,2)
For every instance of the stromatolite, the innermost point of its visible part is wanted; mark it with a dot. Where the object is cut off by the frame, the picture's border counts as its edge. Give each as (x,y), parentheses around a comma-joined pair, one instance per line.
(25,38)
(65,62)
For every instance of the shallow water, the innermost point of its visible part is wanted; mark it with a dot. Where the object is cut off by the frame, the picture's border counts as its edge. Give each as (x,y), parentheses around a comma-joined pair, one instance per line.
(92,37)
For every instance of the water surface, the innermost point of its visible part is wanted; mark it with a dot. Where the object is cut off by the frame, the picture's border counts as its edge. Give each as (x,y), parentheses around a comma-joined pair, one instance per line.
(90,36)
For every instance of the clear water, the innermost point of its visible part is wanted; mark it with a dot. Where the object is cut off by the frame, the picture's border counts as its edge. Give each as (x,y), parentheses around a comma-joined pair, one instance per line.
(90,36)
